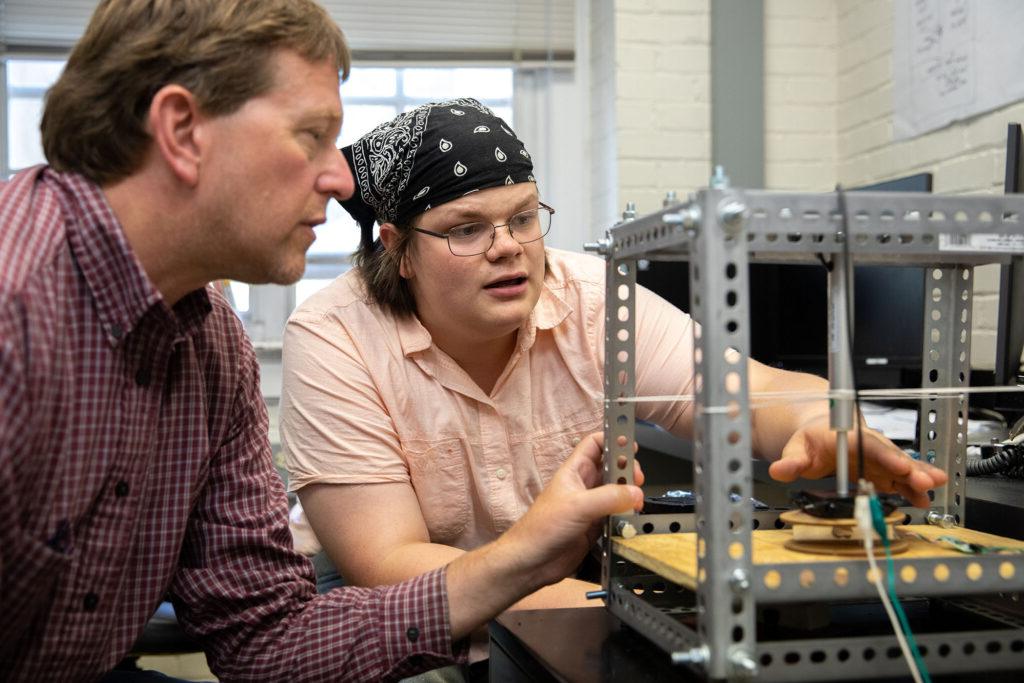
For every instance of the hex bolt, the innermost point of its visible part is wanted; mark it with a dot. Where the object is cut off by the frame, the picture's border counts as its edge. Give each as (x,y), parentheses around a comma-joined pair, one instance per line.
(742,664)
(600,246)
(719,181)
(630,212)
(695,655)
(692,217)
(938,519)
(670,198)
(732,212)
(739,581)
(625,529)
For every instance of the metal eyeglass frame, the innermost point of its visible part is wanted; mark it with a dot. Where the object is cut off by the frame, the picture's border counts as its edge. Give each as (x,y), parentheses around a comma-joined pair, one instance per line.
(494,231)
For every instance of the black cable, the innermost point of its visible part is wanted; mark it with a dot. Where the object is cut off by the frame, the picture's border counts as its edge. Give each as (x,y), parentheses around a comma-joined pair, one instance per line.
(845,223)
(1009,461)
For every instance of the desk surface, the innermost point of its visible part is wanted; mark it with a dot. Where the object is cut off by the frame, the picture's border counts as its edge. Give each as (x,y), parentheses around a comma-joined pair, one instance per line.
(586,645)
(582,644)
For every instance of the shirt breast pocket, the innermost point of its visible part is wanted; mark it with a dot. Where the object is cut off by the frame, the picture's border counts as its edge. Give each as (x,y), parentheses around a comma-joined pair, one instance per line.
(439,475)
(552,450)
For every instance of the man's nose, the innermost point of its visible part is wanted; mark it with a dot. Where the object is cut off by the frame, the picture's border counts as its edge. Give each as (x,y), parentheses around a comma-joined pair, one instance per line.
(336,180)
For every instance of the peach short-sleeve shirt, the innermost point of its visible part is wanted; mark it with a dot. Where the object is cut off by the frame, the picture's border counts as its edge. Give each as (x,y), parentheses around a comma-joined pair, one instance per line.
(368,398)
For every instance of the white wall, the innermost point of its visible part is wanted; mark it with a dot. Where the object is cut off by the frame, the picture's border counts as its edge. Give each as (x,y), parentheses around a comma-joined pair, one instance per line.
(965,157)
(800,94)
(663,99)
(828,112)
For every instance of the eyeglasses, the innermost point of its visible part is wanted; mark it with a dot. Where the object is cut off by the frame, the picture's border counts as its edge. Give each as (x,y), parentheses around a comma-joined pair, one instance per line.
(472,239)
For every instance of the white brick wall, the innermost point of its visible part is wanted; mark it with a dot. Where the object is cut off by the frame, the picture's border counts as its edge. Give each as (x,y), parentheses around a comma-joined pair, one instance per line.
(966,157)
(828,112)
(800,94)
(662,102)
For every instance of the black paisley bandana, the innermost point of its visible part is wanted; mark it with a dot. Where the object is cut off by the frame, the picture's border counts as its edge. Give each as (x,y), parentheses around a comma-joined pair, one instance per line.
(428,156)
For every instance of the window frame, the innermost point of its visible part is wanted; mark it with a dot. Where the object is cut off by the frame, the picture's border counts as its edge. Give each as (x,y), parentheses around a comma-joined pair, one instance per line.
(269,305)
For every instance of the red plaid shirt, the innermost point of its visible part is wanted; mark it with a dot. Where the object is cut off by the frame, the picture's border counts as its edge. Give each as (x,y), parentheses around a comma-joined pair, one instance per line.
(134,463)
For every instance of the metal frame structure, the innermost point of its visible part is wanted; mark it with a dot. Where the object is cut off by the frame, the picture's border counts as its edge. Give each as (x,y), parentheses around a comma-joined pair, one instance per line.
(720,230)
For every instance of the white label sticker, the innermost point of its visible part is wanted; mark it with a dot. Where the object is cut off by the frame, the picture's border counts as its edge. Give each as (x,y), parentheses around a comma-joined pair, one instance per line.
(982,241)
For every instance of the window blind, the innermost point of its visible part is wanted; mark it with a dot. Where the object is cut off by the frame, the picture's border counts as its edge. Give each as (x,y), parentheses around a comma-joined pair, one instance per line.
(389,29)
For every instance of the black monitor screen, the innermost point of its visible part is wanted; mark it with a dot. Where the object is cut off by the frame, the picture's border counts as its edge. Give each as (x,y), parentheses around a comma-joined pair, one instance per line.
(789,314)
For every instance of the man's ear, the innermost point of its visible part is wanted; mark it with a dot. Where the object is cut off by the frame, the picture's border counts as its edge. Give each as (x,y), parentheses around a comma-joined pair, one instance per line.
(389,238)
(172,122)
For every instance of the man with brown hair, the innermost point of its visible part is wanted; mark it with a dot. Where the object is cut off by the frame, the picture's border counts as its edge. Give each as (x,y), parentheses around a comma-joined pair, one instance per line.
(189,141)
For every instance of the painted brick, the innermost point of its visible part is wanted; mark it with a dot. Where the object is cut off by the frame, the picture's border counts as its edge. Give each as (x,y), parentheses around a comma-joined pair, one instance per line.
(802,9)
(684,88)
(636,115)
(682,116)
(682,7)
(865,138)
(684,176)
(646,198)
(637,85)
(966,173)
(636,173)
(818,90)
(985,310)
(662,29)
(983,349)
(635,6)
(685,58)
(986,279)
(799,61)
(800,31)
(990,129)
(668,145)
(866,76)
(800,147)
(799,118)
(866,107)
(858,16)
(876,41)
(635,57)
(800,176)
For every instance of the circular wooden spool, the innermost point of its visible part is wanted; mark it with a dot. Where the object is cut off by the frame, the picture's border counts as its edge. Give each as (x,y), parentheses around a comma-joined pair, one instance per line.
(838,536)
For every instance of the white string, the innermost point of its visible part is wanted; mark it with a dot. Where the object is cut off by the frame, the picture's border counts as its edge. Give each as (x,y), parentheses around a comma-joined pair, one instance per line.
(863,515)
(883,594)
(766,398)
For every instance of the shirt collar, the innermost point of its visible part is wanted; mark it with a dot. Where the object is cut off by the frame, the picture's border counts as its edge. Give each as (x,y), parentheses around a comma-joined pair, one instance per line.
(122,291)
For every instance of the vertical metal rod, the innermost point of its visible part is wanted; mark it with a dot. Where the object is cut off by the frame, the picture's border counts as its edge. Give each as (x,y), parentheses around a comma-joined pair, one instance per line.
(840,366)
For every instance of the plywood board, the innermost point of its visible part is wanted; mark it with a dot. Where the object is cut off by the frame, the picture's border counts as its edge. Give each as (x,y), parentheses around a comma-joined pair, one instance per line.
(674,556)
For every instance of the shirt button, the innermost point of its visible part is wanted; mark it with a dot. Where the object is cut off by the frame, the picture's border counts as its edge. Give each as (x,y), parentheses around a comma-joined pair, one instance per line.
(576,441)
(121,489)
(142,377)
(116,331)
(61,539)
(412,633)
(501,473)
(90,601)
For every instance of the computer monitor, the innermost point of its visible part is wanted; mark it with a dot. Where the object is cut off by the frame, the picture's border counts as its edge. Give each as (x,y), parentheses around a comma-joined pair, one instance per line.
(1010,328)
(789,314)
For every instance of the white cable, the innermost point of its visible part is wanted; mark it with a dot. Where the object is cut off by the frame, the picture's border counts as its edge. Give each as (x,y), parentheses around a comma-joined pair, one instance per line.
(862,513)
(766,398)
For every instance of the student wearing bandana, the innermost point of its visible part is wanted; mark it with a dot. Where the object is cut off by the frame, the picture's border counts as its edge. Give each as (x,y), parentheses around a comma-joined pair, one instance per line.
(432,391)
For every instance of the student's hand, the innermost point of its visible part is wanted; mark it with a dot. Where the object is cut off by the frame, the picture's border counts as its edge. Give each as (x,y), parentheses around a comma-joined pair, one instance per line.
(565,520)
(811,453)
(544,546)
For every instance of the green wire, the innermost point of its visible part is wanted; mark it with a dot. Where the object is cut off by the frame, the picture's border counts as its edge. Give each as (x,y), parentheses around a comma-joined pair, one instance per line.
(878,521)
